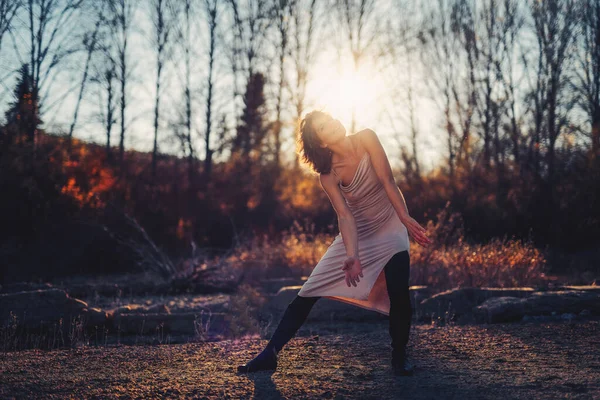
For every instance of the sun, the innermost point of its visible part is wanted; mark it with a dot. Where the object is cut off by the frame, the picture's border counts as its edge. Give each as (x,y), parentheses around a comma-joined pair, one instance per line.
(344,91)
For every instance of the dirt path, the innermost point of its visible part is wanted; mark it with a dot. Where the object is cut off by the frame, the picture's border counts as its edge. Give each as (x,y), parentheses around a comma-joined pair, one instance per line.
(542,360)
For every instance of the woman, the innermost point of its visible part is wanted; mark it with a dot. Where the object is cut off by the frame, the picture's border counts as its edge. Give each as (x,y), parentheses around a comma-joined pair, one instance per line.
(368,263)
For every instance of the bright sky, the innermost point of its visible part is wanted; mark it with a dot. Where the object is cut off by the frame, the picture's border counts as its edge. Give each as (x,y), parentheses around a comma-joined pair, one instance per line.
(340,90)
(334,86)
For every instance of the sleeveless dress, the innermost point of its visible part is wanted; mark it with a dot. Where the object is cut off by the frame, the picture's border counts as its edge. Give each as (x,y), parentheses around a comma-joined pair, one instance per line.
(381,234)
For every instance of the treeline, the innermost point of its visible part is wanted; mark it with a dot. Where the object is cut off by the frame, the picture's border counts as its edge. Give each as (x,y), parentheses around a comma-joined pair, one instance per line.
(516,85)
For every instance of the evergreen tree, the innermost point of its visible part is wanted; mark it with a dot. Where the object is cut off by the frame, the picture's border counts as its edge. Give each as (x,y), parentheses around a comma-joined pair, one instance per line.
(22,116)
(252,130)
(250,176)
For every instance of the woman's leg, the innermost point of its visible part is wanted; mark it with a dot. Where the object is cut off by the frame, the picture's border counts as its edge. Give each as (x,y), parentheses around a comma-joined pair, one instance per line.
(397,273)
(293,318)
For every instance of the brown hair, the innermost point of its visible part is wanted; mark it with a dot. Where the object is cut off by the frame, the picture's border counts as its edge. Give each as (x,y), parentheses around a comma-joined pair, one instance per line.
(308,145)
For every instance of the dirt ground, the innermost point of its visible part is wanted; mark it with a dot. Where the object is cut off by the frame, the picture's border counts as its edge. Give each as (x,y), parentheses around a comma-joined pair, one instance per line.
(541,360)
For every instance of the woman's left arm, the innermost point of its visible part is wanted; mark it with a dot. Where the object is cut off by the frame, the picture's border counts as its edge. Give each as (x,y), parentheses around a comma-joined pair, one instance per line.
(382,167)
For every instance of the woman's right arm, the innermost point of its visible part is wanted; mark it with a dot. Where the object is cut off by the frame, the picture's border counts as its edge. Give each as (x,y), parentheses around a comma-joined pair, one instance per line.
(346,221)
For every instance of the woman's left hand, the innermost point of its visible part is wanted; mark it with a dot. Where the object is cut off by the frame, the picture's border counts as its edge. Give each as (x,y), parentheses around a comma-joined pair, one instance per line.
(416,231)
(353,270)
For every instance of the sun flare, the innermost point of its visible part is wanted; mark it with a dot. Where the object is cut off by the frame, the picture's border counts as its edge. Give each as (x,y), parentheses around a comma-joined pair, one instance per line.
(344,91)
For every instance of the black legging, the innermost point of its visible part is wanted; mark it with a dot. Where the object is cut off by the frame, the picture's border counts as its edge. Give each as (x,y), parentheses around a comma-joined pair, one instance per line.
(397,273)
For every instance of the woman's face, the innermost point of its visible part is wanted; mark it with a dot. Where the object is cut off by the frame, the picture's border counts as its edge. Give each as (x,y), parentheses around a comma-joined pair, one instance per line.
(328,129)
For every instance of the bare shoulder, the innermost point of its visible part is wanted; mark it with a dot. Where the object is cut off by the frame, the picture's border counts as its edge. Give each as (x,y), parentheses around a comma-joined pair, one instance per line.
(366,135)
(326,179)
(367,138)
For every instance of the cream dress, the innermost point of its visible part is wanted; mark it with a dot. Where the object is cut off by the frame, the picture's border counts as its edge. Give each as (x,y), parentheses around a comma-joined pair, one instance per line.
(381,234)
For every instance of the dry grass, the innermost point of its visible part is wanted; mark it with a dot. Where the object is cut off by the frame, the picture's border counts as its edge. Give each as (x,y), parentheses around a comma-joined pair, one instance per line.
(294,254)
(450,262)
(60,334)
(453,262)
(243,316)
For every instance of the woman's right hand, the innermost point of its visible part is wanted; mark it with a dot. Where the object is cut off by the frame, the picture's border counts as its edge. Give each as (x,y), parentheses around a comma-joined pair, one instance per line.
(353,270)
(416,231)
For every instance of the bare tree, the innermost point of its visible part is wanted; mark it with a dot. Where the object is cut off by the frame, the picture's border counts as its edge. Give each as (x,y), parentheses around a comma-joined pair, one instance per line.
(463,25)
(554,22)
(510,51)
(121,17)
(106,80)
(103,76)
(302,52)
(211,12)
(50,28)
(186,36)
(439,56)
(162,22)
(90,42)
(8,10)
(400,48)
(587,75)
(283,11)
(252,21)
(188,89)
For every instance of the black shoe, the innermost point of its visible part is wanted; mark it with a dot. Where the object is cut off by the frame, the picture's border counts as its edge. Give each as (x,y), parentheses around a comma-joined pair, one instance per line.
(265,361)
(402,366)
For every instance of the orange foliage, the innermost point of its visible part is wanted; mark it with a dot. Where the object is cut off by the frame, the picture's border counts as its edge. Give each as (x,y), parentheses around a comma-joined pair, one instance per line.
(184,228)
(89,175)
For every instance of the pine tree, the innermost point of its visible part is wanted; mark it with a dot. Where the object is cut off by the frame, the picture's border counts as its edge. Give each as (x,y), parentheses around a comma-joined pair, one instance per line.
(22,116)
(251,131)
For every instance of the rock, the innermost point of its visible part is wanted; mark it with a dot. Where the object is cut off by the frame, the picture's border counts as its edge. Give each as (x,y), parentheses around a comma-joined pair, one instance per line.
(128,309)
(541,317)
(283,297)
(568,316)
(461,301)
(550,303)
(500,309)
(24,287)
(141,309)
(96,317)
(420,293)
(273,285)
(161,323)
(324,310)
(158,308)
(37,308)
(588,288)
(567,301)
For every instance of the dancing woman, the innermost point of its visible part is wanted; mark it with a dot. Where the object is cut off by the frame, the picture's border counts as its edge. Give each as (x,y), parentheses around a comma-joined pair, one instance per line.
(368,263)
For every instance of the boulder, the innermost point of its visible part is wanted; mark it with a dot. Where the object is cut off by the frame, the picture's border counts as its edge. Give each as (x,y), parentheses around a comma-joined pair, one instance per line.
(587,288)
(460,301)
(500,309)
(141,309)
(324,310)
(569,302)
(162,323)
(37,308)
(327,309)
(420,293)
(24,287)
(274,284)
